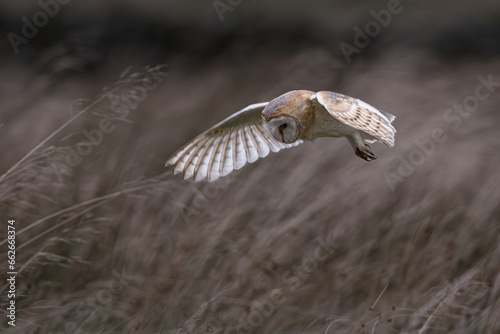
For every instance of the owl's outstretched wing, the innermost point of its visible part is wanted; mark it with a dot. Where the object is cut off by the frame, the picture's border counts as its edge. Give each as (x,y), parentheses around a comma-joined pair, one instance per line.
(359,115)
(227,146)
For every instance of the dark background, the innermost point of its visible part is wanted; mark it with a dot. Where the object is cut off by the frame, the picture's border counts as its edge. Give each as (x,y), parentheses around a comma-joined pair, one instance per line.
(110,242)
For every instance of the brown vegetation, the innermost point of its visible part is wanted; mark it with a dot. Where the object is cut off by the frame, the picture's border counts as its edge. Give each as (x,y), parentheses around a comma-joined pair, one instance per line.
(310,240)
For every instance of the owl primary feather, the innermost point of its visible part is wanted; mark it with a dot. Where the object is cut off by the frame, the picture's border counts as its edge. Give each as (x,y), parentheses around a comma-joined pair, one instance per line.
(284,122)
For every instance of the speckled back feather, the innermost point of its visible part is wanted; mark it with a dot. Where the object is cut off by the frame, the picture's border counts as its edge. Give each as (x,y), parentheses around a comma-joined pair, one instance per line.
(359,115)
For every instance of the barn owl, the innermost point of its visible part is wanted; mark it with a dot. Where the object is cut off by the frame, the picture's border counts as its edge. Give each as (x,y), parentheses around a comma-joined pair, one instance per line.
(284,122)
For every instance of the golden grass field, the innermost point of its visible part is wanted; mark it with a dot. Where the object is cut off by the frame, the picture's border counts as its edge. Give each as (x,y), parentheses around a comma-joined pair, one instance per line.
(308,240)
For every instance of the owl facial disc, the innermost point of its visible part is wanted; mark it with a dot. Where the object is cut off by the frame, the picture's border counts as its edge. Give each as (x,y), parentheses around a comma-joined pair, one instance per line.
(283,128)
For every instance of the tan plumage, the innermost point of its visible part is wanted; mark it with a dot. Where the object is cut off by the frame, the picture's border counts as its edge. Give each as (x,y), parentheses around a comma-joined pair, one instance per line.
(282,123)
(359,115)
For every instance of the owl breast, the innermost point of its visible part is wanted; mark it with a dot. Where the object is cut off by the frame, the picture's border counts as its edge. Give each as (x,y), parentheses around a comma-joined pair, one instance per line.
(325,125)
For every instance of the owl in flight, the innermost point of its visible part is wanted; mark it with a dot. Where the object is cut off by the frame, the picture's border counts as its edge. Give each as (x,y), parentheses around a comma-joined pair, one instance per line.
(286,121)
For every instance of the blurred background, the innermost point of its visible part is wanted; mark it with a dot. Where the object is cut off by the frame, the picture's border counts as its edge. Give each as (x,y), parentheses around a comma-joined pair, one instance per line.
(95,95)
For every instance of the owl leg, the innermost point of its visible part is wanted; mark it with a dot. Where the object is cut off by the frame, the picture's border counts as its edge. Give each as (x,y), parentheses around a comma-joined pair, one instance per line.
(361,149)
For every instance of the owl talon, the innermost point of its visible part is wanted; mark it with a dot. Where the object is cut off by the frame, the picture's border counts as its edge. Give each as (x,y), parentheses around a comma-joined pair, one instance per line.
(365,153)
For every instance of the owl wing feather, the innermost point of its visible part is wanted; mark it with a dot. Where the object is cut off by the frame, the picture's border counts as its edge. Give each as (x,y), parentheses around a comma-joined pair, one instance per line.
(229,145)
(359,115)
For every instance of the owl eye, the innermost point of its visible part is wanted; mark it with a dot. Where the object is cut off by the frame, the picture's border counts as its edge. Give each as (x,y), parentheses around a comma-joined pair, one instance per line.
(280,129)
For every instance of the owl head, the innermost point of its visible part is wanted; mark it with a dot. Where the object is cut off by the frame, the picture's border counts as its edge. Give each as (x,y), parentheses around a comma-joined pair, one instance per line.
(287,116)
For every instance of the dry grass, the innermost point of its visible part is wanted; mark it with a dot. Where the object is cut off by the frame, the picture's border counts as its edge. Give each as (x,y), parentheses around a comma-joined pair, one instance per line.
(118,245)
